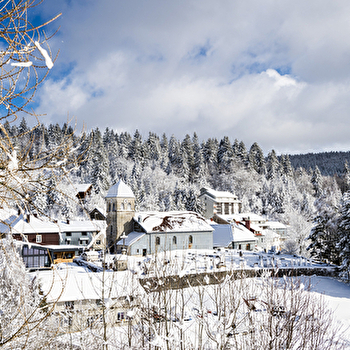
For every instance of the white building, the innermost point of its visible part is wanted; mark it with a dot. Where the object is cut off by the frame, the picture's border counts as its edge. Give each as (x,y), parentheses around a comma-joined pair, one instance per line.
(165,231)
(219,202)
(75,296)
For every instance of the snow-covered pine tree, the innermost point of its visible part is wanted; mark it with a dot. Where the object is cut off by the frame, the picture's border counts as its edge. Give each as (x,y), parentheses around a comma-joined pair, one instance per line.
(124,142)
(324,234)
(210,154)
(98,164)
(256,159)
(225,155)
(199,168)
(135,150)
(343,245)
(164,152)
(316,181)
(24,323)
(272,165)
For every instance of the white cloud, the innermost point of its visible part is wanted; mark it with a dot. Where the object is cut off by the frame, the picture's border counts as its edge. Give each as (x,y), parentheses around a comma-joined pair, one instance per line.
(213,67)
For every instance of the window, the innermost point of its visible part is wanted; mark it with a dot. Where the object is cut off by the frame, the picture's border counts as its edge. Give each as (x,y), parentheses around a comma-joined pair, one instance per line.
(190,239)
(38,239)
(122,206)
(109,207)
(68,234)
(83,241)
(113,206)
(174,240)
(69,305)
(157,240)
(129,206)
(84,233)
(120,316)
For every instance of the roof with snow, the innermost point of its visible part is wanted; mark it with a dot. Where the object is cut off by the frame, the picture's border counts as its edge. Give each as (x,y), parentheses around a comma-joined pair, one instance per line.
(242,234)
(217,194)
(120,189)
(172,221)
(222,235)
(131,238)
(252,217)
(31,224)
(274,225)
(74,284)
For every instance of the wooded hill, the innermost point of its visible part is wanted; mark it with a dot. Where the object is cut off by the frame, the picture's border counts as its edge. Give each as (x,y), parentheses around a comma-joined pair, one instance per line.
(329,163)
(167,174)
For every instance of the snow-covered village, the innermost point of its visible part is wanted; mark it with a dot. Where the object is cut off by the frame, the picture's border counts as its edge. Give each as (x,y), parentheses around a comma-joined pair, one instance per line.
(174,175)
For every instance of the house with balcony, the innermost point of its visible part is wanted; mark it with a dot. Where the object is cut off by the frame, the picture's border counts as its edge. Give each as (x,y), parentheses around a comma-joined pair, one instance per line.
(219,202)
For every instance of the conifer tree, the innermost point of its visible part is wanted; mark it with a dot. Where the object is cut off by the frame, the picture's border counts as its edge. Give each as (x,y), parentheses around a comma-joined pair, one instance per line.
(256,159)
(323,235)
(164,152)
(272,165)
(316,181)
(343,245)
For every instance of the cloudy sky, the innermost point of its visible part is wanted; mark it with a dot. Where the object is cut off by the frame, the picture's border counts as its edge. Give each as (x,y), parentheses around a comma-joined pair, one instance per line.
(272,72)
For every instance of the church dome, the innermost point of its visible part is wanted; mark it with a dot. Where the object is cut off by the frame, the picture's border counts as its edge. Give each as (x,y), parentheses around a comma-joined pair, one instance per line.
(120,189)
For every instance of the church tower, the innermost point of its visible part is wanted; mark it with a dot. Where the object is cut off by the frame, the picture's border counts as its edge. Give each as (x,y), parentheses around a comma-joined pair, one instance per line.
(120,207)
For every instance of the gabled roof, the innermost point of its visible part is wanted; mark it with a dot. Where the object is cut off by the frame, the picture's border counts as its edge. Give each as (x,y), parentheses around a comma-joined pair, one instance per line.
(242,234)
(120,189)
(222,235)
(74,285)
(252,217)
(131,238)
(29,224)
(19,224)
(172,221)
(217,194)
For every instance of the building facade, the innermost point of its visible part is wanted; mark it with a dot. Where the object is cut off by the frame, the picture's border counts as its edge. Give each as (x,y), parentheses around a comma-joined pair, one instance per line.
(120,209)
(219,202)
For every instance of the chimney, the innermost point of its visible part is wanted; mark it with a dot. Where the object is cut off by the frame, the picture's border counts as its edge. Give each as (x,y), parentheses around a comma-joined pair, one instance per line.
(247,223)
(68,222)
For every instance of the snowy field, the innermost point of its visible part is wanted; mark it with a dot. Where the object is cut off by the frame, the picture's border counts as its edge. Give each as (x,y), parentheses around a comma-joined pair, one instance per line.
(337,296)
(193,313)
(183,262)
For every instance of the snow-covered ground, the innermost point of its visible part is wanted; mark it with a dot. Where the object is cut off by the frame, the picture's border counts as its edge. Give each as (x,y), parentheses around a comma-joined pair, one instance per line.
(202,301)
(337,296)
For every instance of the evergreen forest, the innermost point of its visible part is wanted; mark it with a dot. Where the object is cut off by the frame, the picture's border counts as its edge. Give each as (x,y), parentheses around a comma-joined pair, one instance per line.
(166,174)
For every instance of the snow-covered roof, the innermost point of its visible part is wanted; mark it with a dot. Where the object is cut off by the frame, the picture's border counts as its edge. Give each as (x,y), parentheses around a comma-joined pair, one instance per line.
(31,224)
(274,225)
(77,188)
(218,194)
(242,234)
(252,217)
(227,217)
(131,238)
(222,235)
(120,189)
(82,187)
(74,284)
(172,221)
(78,226)
(256,228)
(19,224)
